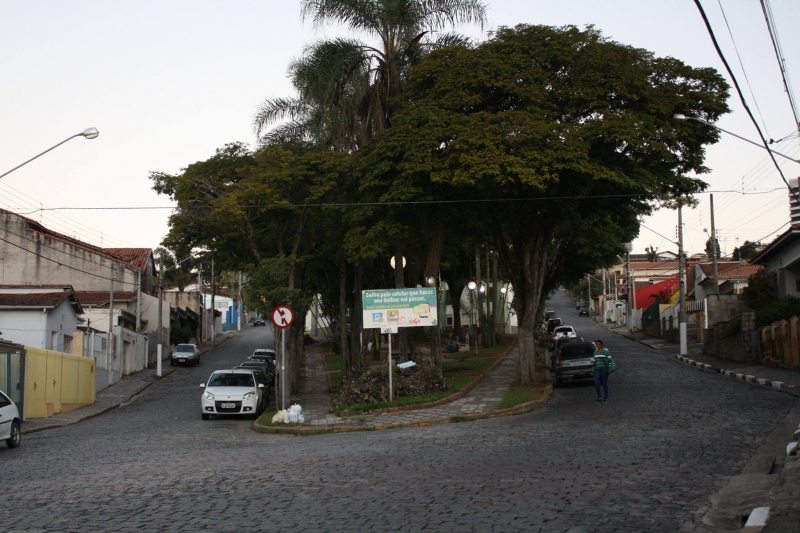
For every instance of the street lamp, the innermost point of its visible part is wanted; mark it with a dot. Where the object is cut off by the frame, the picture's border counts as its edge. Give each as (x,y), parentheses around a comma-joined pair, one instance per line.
(473,327)
(89,133)
(680,118)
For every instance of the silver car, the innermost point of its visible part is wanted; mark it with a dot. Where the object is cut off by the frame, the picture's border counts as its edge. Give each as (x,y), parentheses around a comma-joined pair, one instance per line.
(9,421)
(185,353)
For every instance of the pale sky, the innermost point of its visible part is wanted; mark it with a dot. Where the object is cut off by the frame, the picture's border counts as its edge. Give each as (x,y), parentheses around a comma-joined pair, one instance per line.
(168,82)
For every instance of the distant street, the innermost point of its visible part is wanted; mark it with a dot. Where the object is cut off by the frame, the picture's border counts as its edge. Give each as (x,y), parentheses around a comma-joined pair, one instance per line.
(645,461)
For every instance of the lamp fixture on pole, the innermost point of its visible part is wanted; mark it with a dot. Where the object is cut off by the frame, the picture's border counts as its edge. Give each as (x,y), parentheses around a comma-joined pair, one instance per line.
(89,133)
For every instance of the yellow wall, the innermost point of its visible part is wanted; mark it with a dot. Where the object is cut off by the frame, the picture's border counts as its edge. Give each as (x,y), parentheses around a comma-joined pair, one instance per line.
(56,382)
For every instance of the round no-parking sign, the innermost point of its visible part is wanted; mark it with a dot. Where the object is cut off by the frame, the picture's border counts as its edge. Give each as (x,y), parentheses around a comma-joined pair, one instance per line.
(282,316)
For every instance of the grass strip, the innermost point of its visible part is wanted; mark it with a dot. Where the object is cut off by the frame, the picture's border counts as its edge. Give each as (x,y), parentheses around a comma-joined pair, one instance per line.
(519,394)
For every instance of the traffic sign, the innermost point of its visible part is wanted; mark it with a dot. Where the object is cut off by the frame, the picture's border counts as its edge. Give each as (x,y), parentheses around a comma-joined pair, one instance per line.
(282,316)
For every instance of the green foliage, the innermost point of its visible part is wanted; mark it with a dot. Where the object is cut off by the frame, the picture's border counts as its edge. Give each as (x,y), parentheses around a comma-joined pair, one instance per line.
(566,134)
(746,251)
(777,310)
(652,253)
(710,245)
(179,335)
(761,291)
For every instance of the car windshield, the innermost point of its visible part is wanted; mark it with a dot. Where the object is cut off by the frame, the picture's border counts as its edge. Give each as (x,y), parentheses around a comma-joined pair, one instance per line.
(563,330)
(231,380)
(261,358)
(184,348)
(576,351)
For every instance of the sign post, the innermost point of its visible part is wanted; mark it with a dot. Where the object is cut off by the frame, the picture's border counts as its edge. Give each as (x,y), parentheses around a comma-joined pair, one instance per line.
(283,317)
(391,309)
(389,330)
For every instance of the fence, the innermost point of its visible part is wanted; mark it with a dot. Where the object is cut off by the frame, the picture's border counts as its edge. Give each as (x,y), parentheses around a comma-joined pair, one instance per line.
(780,344)
(12,373)
(56,382)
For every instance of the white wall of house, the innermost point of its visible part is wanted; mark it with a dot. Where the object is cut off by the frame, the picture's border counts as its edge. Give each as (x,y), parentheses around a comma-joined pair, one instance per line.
(786,264)
(51,329)
(26,267)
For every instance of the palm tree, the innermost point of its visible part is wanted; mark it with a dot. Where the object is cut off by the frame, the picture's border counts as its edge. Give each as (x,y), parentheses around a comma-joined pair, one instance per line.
(346,87)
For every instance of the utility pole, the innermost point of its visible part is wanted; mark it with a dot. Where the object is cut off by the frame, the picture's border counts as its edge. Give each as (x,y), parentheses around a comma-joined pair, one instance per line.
(213,311)
(160,348)
(201,301)
(139,302)
(110,327)
(628,300)
(682,302)
(480,319)
(714,248)
(239,313)
(605,315)
(589,294)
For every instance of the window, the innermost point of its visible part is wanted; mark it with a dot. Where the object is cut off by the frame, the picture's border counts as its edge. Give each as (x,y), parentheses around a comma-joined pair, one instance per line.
(67,344)
(797,285)
(54,340)
(449,322)
(102,345)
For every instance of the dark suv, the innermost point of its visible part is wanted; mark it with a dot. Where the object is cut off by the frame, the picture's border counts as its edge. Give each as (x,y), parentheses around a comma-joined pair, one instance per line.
(573,362)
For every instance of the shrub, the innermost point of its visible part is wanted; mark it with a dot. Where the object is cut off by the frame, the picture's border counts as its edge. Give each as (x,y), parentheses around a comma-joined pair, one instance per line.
(179,335)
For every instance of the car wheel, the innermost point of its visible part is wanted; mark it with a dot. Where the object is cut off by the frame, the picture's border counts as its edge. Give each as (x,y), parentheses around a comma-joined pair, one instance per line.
(14,440)
(204,416)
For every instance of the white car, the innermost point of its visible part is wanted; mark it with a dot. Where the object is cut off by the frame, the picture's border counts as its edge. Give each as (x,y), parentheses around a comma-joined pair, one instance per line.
(9,421)
(231,392)
(563,331)
(185,353)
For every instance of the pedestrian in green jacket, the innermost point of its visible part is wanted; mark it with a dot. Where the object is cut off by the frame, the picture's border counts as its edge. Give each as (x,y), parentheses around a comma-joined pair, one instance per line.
(602,366)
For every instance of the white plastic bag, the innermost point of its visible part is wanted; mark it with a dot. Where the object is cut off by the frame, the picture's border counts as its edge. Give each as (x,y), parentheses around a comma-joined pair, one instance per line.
(279,417)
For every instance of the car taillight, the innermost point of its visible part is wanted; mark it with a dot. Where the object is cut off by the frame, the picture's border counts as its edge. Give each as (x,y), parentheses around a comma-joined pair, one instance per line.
(560,362)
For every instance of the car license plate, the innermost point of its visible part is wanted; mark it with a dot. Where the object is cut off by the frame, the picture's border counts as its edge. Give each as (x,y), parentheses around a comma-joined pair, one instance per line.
(228,405)
(181,359)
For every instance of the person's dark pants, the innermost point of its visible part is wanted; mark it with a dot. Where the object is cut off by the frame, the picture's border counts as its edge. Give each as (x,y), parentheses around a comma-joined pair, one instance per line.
(601,378)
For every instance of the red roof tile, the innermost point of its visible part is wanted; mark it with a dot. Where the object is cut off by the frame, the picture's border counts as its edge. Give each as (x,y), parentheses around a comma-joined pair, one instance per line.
(38,299)
(741,272)
(138,257)
(95,298)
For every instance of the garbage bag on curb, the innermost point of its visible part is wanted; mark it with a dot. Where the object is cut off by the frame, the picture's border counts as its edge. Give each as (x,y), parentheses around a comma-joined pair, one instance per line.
(295,415)
(279,417)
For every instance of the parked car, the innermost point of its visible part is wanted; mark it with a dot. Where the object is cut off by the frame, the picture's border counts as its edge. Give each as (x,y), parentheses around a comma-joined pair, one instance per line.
(574,362)
(259,322)
(261,378)
(231,392)
(563,331)
(556,346)
(185,353)
(9,421)
(266,355)
(548,315)
(584,311)
(266,367)
(552,324)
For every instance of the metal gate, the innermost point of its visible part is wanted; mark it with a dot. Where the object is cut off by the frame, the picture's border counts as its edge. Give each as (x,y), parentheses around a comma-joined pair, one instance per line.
(12,373)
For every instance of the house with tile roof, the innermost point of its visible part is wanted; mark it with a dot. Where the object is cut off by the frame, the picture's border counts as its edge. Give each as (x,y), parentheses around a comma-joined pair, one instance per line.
(732,277)
(781,260)
(32,254)
(42,316)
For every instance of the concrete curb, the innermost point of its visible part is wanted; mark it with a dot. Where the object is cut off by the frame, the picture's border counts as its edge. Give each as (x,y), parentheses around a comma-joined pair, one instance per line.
(303,431)
(747,378)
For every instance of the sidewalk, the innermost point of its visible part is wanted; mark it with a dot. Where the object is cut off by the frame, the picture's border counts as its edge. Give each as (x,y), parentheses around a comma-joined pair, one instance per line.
(482,401)
(781,379)
(110,397)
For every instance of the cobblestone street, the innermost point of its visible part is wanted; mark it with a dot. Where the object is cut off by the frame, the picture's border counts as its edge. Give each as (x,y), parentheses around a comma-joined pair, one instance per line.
(645,461)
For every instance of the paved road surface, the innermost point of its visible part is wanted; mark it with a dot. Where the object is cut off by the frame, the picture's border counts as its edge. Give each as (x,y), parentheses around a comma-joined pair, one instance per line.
(643,462)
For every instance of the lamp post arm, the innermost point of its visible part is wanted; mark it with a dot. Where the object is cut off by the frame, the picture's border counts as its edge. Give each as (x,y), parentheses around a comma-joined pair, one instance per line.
(39,155)
(743,138)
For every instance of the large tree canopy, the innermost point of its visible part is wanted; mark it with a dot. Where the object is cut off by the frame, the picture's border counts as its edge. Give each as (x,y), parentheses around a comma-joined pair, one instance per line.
(560,139)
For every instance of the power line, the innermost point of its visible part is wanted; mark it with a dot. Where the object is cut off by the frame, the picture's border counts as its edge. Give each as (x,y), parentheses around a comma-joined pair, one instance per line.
(776,44)
(741,96)
(374,204)
(65,266)
(736,48)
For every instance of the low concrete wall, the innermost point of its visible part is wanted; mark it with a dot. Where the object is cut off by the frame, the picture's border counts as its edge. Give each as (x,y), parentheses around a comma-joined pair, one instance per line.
(56,382)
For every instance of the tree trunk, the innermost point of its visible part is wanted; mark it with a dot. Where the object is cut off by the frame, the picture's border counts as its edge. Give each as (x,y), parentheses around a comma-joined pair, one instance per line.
(343,350)
(356,323)
(531,281)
